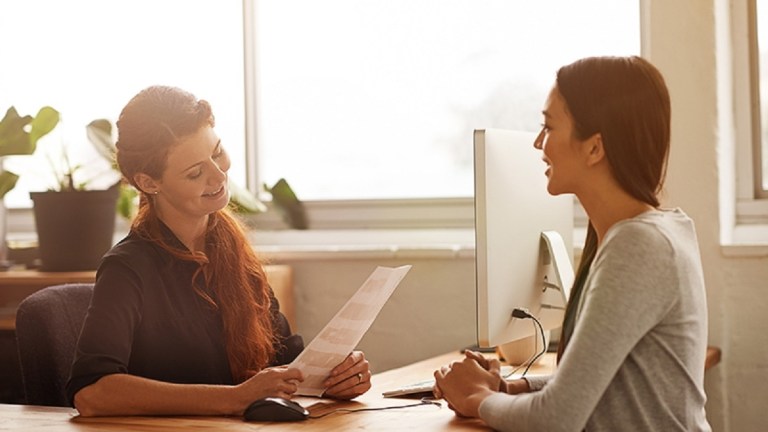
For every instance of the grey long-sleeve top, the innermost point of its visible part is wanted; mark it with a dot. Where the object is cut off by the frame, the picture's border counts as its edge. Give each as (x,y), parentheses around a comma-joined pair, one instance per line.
(636,357)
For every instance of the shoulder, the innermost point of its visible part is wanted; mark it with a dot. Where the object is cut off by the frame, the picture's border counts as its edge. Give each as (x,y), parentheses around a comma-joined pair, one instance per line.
(133,249)
(655,248)
(132,258)
(659,231)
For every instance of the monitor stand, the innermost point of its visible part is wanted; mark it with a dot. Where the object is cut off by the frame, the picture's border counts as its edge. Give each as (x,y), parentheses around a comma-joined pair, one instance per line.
(556,287)
(558,265)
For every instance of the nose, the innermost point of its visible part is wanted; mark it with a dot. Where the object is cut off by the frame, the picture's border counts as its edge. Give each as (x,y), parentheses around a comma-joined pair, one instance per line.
(219,173)
(538,143)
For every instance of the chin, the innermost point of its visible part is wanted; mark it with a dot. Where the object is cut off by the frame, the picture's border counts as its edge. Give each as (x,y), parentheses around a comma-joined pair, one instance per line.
(551,188)
(554,190)
(218,204)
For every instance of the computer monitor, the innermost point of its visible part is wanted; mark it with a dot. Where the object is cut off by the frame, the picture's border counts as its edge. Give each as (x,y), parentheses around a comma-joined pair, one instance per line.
(523,239)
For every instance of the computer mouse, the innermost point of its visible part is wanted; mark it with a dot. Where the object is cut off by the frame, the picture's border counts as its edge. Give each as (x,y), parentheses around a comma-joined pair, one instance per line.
(275,409)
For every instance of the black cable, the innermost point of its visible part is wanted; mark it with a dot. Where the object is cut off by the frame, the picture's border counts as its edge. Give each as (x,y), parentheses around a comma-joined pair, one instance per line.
(522,313)
(543,346)
(422,401)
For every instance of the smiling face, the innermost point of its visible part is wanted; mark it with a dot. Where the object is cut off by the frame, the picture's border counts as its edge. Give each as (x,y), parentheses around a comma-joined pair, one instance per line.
(194,182)
(562,152)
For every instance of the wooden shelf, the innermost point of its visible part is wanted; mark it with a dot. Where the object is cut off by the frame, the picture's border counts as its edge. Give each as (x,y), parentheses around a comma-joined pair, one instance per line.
(16,285)
(43,279)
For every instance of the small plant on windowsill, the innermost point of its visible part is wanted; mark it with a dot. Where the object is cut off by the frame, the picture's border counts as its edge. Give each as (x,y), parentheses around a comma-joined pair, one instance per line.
(288,204)
(19,136)
(75,216)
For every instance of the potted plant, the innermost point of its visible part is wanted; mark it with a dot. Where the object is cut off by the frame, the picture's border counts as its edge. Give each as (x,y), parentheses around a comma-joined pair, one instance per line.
(18,136)
(75,223)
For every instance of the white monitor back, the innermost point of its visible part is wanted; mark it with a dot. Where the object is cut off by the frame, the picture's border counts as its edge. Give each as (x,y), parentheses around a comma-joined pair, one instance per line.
(512,209)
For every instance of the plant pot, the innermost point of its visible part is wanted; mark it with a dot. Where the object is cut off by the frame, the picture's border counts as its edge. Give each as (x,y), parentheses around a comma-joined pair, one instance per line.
(74,228)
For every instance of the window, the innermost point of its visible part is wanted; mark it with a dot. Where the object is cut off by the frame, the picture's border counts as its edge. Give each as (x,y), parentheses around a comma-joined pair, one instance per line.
(759,57)
(749,22)
(87,58)
(368,102)
(377,99)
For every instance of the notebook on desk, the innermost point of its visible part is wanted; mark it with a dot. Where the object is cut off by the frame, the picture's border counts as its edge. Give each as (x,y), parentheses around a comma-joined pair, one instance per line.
(424,388)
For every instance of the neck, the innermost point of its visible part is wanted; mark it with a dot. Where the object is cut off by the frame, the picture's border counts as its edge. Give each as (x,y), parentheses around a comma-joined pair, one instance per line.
(608,207)
(191,233)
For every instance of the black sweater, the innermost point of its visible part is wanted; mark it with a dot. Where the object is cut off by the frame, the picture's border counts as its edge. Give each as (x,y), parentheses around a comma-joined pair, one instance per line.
(146,319)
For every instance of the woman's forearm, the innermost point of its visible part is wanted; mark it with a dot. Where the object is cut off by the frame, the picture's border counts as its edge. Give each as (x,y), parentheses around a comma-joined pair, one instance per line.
(123,394)
(517,386)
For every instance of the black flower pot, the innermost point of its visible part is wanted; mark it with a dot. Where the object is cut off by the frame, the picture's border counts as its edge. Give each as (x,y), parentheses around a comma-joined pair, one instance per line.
(74,228)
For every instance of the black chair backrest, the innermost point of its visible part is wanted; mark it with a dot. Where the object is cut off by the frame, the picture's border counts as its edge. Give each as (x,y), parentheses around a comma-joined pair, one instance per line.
(48,325)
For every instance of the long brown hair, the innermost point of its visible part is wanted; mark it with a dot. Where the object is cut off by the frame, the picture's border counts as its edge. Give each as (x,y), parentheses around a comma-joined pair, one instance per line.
(626,101)
(152,122)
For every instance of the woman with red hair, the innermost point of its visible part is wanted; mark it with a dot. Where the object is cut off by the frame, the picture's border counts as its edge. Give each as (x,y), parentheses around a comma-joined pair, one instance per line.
(182,319)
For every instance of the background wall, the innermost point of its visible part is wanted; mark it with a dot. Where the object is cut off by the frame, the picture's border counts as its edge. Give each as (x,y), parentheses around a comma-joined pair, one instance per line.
(688,42)
(432,311)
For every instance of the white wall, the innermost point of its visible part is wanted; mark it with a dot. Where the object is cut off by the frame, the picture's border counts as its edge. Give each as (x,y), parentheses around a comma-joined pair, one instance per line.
(686,45)
(433,310)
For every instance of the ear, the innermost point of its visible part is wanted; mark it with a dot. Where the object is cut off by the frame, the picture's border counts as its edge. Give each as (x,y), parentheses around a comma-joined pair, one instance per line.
(595,151)
(146,183)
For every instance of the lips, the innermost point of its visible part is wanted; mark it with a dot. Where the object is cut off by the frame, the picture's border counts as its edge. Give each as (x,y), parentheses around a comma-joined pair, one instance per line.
(215,193)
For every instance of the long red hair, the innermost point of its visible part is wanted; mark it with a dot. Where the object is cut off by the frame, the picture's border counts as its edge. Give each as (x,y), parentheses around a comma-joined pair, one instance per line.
(150,124)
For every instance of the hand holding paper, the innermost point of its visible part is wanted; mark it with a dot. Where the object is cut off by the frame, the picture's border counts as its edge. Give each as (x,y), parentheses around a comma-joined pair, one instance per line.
(342,334)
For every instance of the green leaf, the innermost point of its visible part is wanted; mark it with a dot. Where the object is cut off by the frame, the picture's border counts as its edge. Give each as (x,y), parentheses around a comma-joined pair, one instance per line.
(99,134)
(288,204)
(243,201)
(7,182)
(44,122)
(13,137)
(126,201)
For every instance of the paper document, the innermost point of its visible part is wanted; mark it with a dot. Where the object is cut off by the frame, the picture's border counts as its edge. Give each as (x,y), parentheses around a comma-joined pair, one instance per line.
(342,334)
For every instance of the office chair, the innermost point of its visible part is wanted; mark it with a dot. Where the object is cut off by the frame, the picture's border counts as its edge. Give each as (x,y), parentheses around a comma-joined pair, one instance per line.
(48,325)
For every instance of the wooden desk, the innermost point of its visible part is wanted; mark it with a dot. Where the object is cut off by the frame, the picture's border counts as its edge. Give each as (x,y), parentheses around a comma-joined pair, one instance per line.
(418,418)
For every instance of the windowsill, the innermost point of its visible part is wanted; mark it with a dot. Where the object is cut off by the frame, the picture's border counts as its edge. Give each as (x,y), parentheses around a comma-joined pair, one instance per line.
(373,244)
(749,240)
(364,244)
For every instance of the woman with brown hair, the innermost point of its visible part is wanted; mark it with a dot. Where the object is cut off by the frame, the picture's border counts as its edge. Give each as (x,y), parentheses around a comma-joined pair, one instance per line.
(632,351)
(182,319)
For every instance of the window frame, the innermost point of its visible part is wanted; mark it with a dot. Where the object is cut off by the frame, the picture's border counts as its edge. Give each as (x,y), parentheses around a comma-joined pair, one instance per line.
(760,192)
(422,213)
(751,197)
(355,214)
